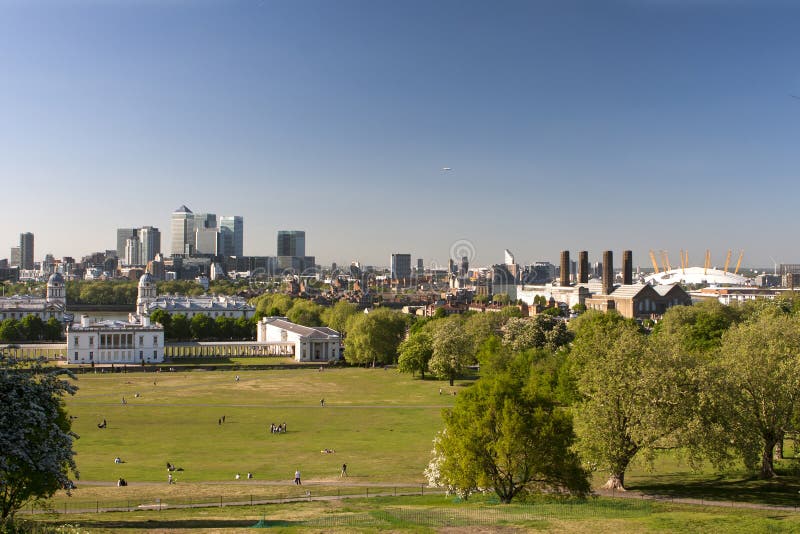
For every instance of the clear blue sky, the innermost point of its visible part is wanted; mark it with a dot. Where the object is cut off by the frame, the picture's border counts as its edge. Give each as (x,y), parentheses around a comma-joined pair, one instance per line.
(568,125)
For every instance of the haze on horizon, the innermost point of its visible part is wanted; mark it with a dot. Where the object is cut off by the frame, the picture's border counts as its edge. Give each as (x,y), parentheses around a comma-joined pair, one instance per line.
(566,125)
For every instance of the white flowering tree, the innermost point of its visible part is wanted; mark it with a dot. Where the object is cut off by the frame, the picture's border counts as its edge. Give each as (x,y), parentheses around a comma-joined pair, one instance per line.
(36,456)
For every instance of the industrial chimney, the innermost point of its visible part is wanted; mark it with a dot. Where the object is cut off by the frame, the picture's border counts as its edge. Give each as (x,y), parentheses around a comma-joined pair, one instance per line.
(583,267)
(627,267)
(564,275)
(608,272)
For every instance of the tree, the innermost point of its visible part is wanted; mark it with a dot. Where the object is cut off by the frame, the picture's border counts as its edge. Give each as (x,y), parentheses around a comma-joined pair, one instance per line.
(505,436)
(336,317)
(31,328)
(415,352)
(374,337)
(10,331)
(53,330)
(452,350)
(202,326)
(538,332)
(501,298)
(631,398)
(180,327)
(759,386)
(36,456)
(698,329)
(163,318)
(306,313)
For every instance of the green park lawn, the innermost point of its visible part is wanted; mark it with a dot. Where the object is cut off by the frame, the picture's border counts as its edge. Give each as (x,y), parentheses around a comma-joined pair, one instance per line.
(381,423)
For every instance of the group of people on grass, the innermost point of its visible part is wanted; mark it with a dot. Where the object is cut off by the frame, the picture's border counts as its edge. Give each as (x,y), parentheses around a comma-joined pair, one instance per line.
(277,429)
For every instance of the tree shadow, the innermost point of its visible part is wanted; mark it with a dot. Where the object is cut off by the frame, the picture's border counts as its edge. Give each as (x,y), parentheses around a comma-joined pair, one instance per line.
(780,491)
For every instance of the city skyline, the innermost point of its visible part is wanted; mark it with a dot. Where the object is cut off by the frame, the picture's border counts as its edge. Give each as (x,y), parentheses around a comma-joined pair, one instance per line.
(533,127)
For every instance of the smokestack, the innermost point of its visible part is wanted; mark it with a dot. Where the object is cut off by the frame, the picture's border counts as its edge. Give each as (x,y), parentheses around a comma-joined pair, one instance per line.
(627,267)
(608,272)
(583,267)
(564,275)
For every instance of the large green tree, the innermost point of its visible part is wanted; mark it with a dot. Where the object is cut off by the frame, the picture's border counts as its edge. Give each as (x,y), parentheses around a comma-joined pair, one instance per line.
(373,337)
(505,435)
(415,352)
(336,316)
(453,351)
(306,313)
(758,393)
(36,456)
(632,397)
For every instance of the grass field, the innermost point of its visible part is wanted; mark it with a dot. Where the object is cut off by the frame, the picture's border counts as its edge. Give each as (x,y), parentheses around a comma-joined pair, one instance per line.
(437,514)
(379,422)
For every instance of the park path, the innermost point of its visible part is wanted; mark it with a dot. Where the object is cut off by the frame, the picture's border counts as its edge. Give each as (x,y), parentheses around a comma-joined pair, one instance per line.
(311,484)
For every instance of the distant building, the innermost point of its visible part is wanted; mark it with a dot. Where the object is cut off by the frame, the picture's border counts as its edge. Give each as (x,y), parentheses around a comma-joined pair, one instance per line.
(53,305)
(291,243)
(401,267)
(232,229)
(312,344)
(13,258)
(211,305)
(182,231)
(115,342)
(26,251)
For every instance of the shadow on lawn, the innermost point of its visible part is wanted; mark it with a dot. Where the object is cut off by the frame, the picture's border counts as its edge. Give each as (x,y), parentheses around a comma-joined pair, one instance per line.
(781,491)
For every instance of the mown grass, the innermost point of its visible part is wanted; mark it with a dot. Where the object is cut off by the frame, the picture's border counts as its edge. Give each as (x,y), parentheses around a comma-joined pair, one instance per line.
(379,422)
(437,514)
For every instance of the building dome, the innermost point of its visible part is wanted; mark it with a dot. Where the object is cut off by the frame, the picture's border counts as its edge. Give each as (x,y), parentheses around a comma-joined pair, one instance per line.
(145,280)
(55,278)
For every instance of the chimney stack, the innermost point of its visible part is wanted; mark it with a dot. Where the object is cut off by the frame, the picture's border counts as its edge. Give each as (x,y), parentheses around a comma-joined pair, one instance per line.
(583,267)
(608,272)
(564,275)
(627,267)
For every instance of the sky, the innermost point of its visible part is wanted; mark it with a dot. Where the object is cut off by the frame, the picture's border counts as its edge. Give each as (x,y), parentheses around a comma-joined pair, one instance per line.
(638,124)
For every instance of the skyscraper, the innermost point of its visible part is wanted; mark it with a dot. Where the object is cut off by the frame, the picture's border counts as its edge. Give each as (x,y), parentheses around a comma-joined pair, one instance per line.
(401,267)
(150,239)
(13,258)
(182,231)
(123,234)
(26,251)
(232,229)
(133,251)
(292,243)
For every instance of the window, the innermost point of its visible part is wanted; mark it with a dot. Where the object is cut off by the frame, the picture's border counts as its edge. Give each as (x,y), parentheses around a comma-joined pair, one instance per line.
(155,341)
(91,355)
(76,355)
(91,341)
(154,354)
(141,354)
(141,340)
(76,341)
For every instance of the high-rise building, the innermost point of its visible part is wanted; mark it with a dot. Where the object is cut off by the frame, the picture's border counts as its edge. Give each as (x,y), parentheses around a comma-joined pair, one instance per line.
(123,234)
(133,251)
(232,229)
(13,258)
(150,239)
(420,266)
(292,243)
(26,251)
(207,241)
(182,232)
(401,267)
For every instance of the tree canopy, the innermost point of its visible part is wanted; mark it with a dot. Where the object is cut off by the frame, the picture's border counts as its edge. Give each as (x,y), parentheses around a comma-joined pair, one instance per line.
(506,433)
(36,456)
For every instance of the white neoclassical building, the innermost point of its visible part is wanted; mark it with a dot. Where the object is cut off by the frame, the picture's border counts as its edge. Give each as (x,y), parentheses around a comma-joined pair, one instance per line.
(54,304)
(214,306)
(105,342)
(311,344)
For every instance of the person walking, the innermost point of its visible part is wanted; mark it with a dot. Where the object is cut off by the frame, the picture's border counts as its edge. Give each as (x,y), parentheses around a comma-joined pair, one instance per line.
(169,479)
(343,474)
(297,478)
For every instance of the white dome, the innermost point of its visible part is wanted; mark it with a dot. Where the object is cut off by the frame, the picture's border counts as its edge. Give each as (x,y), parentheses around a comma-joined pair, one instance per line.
(145,279)
(697,275)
